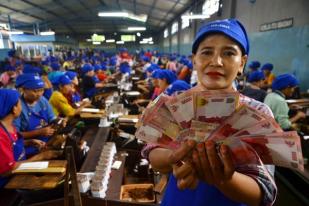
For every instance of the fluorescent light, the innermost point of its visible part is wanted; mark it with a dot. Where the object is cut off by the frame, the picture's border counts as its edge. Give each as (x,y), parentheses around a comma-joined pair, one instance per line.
(143,42)
(45,33)
(147,39)
(88,40)
(136,28)
(195,16)
(151,42)
(138,34)
(119,42)
(15,32)
(110,40)
(96,42)
(142,18)
(113,14)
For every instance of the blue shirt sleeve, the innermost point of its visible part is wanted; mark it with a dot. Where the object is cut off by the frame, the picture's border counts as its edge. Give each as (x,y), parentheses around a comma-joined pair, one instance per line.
(50,113)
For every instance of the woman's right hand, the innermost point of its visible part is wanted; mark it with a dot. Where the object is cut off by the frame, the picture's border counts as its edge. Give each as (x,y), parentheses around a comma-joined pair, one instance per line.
(47,131)
(182,165)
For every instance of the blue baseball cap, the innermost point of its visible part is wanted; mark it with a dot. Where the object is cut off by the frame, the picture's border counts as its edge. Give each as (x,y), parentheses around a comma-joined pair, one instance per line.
(55,66)
(71,74)
(8,99)
(267,66)
(254,65)
(29,81)
(177,86)
(256,76)
(125,68)
(283,81)
(156,74)
(168,75)
(87,68)
(9,67)
(64,80)
(97,67)
(146,59)
(229,27)
(28,69)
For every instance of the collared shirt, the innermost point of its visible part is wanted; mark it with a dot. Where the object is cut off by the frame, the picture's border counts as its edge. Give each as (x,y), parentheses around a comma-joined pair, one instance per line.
(7,160)
(279,107)
(262,174)
(61,105)
(22,122)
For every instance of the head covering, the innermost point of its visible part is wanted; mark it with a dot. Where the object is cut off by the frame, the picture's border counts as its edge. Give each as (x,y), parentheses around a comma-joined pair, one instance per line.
(71,74)
(28,69)
(254,65)
(189,64)
(156,74)
(177,86)
(8,99)
(283,81)
(125,68)
(97,67)
(29,81)
(146,59)
(168,75)
(11,52)
(173,58)
(87,68)
(8,67)
(256,76)
(229,27)
(64,80)
(55,66)
(267,66)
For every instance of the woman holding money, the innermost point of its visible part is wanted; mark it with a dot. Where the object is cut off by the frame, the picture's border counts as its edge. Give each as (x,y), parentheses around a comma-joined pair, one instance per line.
(202,174)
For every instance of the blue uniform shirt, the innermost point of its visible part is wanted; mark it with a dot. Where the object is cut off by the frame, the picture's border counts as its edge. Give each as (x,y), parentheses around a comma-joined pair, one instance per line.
(22,121)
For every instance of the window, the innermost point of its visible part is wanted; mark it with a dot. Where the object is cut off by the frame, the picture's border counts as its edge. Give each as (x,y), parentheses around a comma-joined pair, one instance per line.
(185,23)
(210,7)
(165,33)
(174,27)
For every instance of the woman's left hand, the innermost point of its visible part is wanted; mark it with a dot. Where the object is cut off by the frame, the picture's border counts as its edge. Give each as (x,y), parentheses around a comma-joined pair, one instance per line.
(210,167)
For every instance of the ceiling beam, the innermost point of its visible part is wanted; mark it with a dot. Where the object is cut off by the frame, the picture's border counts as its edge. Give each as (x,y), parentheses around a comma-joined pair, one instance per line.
(22,12)
(50,12)
(167,13)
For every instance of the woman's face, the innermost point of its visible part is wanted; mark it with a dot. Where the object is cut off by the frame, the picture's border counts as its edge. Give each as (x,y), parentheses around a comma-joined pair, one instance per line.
(17,109)
(32,95)
(218,60)
(75,81)
(66,89)
(162,84)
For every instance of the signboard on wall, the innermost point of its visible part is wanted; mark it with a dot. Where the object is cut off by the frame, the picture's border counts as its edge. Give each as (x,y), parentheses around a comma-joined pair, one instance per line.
(285,23)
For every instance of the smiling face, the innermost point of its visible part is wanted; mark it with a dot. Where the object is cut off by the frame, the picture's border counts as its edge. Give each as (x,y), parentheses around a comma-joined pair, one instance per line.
(218,59)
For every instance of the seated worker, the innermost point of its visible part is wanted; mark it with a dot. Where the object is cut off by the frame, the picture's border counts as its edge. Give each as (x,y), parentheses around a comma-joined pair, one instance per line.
(98,69)
(253,87)
(55,73)
(12,149)
(176,87)
(253,66)
(269,76)
(75,96)
(37,114)
(60,103)
(283,87)
(7,78)
(185,71)
(48,87)
(166,78)
(146,84)
(171,64)
(90,85)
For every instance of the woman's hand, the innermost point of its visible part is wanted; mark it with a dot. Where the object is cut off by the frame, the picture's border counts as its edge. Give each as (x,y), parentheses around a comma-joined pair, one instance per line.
(210,167)
(182,165)
(47,131)
(38,143)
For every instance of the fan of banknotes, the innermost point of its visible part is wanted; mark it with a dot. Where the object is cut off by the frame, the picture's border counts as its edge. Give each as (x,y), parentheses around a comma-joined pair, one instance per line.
(251,135)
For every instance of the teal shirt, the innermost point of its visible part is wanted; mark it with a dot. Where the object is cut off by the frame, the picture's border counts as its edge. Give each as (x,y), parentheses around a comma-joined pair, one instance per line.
(280,109)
